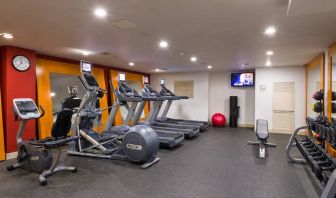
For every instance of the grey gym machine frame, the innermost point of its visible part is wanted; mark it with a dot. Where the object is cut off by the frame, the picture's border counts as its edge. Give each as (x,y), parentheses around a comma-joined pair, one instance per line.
(329,190)
(54,167)
(98,149)
(167,138)
(170,98)
(150,95)
(262,135)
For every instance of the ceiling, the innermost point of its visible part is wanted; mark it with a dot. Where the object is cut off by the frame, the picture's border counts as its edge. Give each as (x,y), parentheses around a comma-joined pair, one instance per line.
(224,34)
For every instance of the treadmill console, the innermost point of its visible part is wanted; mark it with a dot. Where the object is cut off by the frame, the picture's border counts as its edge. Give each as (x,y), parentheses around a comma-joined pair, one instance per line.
(164,91)
(125,92)
(25,108)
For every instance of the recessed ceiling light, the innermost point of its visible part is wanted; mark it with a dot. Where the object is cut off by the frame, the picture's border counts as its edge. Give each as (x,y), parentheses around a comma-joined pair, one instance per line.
(193,59)
(163,44)
(270,31)
(100,12)
(131,64)
(209,67)
(268,63)
(52,94)
(269,53)
(85,53)
(7,36)
(157,70)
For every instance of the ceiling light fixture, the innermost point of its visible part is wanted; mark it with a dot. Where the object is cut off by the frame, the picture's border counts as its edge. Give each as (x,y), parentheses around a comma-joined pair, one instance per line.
(157,70)
(269,53)
(193,59)
(85,53)
(100,12)
(270,31)
(209,67)
(163,44)
(52,94)
(131,64)
(7,35)
(268,63)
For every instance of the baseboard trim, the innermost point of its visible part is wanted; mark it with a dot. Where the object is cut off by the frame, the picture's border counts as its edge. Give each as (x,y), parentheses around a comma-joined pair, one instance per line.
(246,125)
(12,155)
(280,131)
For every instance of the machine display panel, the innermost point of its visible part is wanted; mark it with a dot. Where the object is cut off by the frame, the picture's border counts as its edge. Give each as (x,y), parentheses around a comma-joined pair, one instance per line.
(86,67)
(122,77)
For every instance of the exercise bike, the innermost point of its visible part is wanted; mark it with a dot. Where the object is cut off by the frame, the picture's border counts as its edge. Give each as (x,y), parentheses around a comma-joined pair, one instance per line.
(36,155)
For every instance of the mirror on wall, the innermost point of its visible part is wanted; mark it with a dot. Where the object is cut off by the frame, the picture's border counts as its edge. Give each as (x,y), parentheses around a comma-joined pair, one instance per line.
(59,84)
(333,84)
(313,85)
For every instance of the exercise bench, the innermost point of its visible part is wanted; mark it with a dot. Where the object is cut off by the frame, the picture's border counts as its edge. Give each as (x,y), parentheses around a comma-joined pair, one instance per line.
(262,135)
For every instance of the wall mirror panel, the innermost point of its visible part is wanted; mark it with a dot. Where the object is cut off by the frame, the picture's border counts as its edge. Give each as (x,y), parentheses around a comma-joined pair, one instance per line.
(332,81)
(59,84)
(315,82)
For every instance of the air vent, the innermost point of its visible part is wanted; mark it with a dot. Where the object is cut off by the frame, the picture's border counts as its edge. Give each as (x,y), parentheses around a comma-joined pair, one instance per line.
(105,53)
(123,24)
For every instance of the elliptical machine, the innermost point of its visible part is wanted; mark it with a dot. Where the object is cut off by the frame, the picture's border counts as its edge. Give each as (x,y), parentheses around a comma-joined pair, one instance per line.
(138,145)
(36,155)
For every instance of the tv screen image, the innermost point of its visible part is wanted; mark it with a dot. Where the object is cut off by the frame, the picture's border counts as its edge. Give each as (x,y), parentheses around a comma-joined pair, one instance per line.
(242,79)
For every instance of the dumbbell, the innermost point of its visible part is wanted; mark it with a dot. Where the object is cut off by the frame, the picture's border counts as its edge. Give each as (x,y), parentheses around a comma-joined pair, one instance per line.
(327,168)
(306,143)
(311,148)
(313,153)
(316,169)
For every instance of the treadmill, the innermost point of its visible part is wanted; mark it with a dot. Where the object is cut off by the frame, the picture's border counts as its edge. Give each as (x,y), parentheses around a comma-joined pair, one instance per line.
(124,94)
(150,95)
(171,96)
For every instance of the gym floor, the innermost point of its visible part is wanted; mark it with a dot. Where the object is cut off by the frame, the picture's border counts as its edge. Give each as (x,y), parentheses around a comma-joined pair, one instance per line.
(219,163)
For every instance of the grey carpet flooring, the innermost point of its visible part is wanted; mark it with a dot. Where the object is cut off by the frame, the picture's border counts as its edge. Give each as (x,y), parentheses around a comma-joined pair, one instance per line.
(219,163)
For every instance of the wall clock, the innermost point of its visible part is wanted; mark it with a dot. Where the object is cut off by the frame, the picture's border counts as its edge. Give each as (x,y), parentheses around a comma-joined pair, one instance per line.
(21,63)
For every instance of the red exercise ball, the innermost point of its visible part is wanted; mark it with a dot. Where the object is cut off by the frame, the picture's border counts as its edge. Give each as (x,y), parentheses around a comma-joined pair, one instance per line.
(218,120)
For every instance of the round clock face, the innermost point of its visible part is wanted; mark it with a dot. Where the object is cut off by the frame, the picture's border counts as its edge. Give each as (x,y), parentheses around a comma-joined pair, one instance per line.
(21,63)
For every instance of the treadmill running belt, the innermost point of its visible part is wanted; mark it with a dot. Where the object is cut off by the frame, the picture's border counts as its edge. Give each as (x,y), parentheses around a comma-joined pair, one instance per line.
(171,135)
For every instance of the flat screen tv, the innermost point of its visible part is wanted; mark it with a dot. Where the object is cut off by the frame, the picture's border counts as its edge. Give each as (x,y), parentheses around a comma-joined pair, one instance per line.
(242,79)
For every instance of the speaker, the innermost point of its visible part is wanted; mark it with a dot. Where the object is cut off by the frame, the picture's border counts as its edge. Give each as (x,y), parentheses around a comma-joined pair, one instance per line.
(234,111)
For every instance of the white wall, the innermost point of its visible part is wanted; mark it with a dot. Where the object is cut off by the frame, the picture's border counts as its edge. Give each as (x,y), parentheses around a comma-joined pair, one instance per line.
(194,108)
(220,92)
(263,99)
(212,92)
